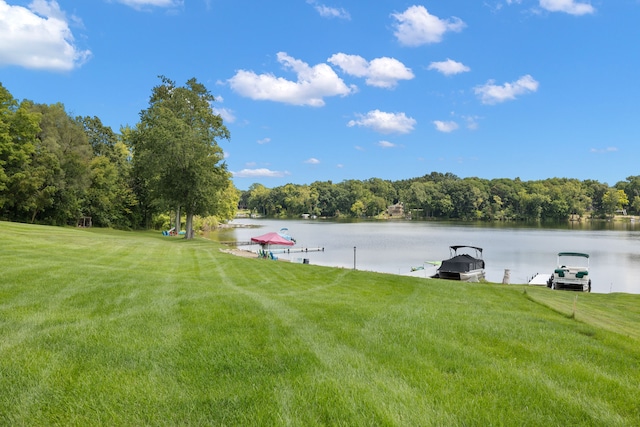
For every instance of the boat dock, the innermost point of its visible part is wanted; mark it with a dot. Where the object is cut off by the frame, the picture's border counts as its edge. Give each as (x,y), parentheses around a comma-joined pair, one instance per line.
(540,279)
(295,250)
(236,243)
(275,251)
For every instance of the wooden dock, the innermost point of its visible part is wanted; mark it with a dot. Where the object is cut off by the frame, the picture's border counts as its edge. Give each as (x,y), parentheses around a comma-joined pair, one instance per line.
(296,250)
(539,279)
(275,251)
(236,243)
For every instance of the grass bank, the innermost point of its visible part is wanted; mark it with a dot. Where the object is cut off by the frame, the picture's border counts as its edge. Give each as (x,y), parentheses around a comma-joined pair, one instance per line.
(102,327)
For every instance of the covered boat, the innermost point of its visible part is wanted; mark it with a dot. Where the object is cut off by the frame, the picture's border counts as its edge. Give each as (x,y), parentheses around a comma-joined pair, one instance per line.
(463,266)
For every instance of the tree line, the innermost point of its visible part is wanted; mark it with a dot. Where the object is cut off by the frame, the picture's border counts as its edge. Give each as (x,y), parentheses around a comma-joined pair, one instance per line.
(447,196)
(55,169)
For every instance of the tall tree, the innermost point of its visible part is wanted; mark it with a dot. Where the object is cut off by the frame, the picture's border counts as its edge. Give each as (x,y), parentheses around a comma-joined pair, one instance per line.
(175,145)
(63,155)
(18,130)
(109,200)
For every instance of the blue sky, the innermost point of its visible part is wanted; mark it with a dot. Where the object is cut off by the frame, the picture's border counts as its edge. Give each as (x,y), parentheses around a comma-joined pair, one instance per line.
(316,90)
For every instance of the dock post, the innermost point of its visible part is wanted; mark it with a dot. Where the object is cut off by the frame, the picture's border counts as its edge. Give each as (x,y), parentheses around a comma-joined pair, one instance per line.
(507,276)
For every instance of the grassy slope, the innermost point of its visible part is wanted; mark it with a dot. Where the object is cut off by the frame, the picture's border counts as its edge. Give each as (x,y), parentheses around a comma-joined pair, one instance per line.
(102,327)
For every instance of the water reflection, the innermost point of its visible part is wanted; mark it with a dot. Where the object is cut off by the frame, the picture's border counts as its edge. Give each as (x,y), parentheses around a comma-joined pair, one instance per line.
(524,249)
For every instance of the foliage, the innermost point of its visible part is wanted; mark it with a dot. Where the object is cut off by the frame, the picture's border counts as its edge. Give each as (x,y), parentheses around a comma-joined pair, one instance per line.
(154,330)
(175,149)
(110,199)
(447,196)
(55,168)
(22,179)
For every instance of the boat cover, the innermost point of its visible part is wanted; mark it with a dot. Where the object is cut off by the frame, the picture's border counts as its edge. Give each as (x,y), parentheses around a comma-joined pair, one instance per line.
(461,264)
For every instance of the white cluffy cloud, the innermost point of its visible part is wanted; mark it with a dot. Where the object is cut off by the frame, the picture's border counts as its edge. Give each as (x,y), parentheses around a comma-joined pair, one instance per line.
(139,4)
(604,150)
(386,144)
(380,72)
(491,93)
(312,161)
(416,26)
(313,84)
(329,12)
(449,67)
(571,7)
(259,173)
(445,127)
(385,123)
(38,37)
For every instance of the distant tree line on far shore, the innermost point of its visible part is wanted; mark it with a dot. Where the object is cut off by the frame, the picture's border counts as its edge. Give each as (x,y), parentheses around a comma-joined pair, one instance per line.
(56,169)
(446,196)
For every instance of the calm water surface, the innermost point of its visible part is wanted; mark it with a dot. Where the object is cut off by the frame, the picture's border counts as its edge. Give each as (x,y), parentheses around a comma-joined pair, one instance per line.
(397,246)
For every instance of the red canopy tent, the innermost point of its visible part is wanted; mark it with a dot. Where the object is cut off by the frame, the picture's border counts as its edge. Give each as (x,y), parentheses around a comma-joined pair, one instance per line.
(272,239)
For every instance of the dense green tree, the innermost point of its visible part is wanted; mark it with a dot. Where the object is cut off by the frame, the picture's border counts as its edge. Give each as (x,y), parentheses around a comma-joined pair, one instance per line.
(176,147)
(635,204)
(226,201)
(595,191)
(19,127)
(58,174)
(358,208)
(465,197)
(507,191)
(257,199)
(382,188)
(326,198)
(101,138)
(631,187)
(110,200)
(614,200)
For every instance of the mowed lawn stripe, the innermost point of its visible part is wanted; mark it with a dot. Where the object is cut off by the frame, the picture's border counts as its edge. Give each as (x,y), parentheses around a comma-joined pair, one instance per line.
(124,328)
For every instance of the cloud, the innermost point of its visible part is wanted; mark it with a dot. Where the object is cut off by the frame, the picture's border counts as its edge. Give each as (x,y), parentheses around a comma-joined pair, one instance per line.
(310,88)
(472,122)
(264,141)
(385,144)
(492,94)
(604,150)
(140,4)
(449,67)
(415,26)
(259,173)
(380,72)
(226,114)
(38,37)
(329,12)
(312,161)
(571,7)
(384,123)
(445,127)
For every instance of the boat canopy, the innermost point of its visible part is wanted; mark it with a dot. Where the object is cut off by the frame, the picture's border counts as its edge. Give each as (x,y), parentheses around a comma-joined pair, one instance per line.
(456,247)
(573,254)
(461,264)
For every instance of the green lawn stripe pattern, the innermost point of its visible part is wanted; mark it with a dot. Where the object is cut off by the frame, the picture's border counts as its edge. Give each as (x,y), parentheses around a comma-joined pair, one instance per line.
(102,327)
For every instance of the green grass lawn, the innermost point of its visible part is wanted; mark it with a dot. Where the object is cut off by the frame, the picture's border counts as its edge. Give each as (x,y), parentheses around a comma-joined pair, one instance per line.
(101,327)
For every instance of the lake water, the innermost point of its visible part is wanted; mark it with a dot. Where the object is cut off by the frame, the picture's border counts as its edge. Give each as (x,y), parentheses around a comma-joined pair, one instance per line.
(397,246)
